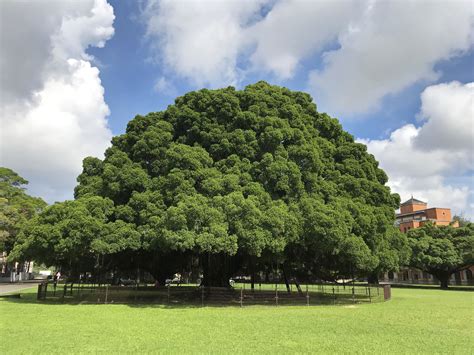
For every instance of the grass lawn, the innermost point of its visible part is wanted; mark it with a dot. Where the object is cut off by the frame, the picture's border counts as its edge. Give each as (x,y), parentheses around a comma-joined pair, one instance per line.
(414,321)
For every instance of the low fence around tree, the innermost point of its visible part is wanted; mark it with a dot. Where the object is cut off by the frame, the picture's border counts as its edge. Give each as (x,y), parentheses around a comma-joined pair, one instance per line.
(239,295)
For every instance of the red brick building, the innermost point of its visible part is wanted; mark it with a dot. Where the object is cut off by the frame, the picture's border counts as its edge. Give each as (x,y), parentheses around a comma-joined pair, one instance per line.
(413,214)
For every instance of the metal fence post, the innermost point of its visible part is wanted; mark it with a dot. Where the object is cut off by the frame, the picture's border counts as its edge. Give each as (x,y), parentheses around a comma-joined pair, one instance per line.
(386,292)
(241,297)
(333,295)
(370,298)
(353,294)
(40,290)
(106,293)
(168,293)
(307,295)
(276,295)
(202,296)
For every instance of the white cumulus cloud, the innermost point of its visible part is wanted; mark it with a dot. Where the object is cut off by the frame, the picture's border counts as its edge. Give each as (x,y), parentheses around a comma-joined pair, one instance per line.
(199,41)
(453,103)
(396,44)
(434,162)
(294,29)
(355,53)
(53,112)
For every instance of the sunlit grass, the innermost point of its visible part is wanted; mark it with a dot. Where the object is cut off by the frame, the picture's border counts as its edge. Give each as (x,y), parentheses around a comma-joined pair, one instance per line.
(414,321)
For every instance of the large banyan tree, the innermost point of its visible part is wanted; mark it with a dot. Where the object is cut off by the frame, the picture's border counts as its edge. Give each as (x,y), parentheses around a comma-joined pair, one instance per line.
(227,182)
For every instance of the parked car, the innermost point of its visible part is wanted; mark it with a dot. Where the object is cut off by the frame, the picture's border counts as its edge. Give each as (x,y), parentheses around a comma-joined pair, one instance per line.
(126,282)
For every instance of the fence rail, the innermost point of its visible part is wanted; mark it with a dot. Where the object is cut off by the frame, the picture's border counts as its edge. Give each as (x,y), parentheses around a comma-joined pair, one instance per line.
(239,295)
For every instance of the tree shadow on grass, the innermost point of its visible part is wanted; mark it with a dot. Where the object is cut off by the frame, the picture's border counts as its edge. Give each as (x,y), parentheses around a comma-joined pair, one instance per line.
(189,303)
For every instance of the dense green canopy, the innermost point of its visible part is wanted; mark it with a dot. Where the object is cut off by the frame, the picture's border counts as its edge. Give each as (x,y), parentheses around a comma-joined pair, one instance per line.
(442,251)
(238,179)
(16,207)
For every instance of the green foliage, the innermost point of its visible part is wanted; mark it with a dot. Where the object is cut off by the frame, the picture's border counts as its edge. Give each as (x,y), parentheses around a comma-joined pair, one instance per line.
(16,207)
(461,220)
(442,251)
(72,233)
(245,174)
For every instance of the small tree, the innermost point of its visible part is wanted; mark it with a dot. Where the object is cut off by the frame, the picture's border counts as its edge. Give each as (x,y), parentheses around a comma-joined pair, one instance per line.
(461,220)
(16,207)
(75,235)
(442,251)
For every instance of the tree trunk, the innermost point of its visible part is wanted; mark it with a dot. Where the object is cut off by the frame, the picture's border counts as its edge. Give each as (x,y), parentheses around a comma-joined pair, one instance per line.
(443,278)
(160,266)
(252,273)
(298,286)
(215,270)
(444,281)
(287,283)
(194,267)
(160,275)
(373,278)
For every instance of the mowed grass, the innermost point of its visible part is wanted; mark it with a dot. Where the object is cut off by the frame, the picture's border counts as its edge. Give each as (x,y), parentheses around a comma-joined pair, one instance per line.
(414,321)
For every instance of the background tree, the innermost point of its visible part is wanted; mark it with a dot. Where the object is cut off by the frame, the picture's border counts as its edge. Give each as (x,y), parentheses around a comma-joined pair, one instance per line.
(442,251)
(76,236)
(16,207)
(239,180)
(462,221)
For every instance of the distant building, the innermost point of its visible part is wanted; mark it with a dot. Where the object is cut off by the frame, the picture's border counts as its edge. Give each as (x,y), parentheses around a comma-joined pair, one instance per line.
(413,214)
(14,272)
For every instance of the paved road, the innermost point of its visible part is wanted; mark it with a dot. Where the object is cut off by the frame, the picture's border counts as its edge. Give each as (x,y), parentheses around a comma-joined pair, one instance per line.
(8,288)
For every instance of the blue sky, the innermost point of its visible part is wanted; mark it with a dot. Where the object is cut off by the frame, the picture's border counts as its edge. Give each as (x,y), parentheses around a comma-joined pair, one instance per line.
(128,77)
(396,74)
